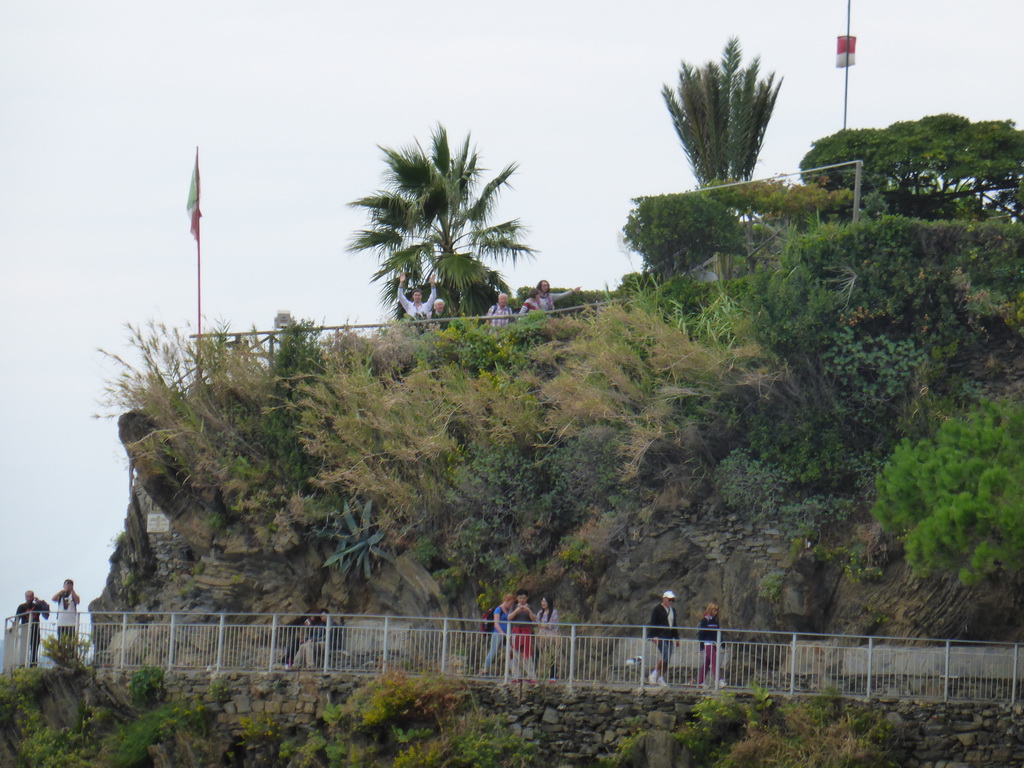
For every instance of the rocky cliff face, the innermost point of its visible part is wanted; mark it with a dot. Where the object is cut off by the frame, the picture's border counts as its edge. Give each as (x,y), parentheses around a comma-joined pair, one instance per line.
(174,556)
(761,578)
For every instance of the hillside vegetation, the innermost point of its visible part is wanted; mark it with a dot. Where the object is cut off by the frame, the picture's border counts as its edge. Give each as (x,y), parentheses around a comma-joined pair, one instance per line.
(779,393)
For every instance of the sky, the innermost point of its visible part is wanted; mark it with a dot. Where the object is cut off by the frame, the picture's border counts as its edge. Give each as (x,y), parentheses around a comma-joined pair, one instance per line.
(103,104)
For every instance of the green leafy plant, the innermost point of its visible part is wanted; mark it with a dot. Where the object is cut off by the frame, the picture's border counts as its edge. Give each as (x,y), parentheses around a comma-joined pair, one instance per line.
(260,730)
(397,701)
(770,587)
(957,499)
(155,726)
(67,651)
(147,686)
(219,690)
(358,542)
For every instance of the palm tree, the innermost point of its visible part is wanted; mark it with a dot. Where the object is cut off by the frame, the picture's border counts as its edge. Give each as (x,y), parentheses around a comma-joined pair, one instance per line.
(720,113)
(432,218)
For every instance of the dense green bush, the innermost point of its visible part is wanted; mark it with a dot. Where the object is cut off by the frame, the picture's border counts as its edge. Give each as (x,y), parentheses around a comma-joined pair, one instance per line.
(676,233)
(147,686)
(958,499)
(867,316)
(152,727)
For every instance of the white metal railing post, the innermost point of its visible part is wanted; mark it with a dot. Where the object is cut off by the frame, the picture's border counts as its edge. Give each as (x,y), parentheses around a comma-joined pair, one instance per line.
(170,644)
(871,649)
(945,683)
(327,644)
(444,646)
(220,642)
(124,638)
(384,650)
(273,644)
(857,168)
(792,665)
(718,658)
(506,651)
(572,653)
(643,657)
(1016,670)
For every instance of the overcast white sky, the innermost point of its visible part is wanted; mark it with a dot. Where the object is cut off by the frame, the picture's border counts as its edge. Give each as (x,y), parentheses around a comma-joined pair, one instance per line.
(102,105)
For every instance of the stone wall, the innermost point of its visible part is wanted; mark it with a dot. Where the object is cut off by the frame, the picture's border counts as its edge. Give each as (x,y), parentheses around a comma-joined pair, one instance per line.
(577,726)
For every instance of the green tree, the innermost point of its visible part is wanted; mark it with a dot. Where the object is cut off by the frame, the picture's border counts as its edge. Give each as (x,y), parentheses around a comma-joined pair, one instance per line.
(433,217)
(677,233)
(958,499)
(938,167)
(720,112)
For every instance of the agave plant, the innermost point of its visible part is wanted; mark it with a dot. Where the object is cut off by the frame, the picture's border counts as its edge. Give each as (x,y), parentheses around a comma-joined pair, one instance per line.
(358,541)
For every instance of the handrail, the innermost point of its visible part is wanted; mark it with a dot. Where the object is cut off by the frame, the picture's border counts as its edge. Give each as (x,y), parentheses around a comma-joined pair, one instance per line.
(857,666)
(399,322)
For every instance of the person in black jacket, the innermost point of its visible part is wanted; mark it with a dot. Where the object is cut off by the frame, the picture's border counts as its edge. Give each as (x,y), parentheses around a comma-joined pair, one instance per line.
(29,613)
(663,633)
(708,635)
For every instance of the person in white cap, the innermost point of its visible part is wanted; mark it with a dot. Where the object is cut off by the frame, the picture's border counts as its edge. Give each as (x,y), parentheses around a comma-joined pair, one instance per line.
(663,633)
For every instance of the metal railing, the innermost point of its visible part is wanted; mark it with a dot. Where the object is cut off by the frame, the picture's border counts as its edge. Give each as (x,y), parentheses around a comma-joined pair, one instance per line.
(269,337)
(579,654)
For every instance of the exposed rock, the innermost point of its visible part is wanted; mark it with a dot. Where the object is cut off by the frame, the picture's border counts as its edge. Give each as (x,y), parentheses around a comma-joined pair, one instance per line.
(659,749)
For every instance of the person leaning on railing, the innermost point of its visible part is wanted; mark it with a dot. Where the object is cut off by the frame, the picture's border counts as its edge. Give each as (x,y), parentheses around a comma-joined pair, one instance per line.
(500,313)
(29,613)
(546,300)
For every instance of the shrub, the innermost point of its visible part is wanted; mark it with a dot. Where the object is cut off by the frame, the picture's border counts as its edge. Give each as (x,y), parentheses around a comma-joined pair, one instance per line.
(957,499)
(147,686)
(67,651)
(397,700)
(154,727)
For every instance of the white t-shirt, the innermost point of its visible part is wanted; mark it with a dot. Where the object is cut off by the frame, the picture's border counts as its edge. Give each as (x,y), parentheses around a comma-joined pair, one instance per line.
(67,612)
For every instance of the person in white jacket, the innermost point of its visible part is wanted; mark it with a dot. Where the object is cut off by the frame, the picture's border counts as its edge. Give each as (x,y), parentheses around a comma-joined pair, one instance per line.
(417,309)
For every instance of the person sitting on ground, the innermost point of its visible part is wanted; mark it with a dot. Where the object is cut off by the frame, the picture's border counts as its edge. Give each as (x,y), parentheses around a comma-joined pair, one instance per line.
(546,299)
(313,644)
(417,309)
(500,312)
(531,303)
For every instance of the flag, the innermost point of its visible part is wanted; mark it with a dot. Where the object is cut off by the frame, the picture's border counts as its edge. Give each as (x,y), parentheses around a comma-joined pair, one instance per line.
(193,200)
(846,51)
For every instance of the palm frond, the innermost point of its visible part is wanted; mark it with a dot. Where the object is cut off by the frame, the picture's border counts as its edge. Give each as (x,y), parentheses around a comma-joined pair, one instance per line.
(433,215)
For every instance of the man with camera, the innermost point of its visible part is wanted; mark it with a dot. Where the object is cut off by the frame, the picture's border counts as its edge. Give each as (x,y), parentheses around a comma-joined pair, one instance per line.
(29,613)
(67,601)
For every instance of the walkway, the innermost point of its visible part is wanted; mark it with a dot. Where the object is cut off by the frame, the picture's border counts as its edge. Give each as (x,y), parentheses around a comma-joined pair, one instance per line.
(582,654)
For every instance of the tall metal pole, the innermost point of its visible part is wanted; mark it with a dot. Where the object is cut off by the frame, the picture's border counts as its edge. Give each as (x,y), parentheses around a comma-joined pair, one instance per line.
(846,89)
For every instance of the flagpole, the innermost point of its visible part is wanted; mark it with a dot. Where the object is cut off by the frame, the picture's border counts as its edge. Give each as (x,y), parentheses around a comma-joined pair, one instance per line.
(846,88)
(199,289)
(195,215)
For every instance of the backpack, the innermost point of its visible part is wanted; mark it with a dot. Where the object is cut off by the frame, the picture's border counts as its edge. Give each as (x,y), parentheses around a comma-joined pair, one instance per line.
(487,625)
